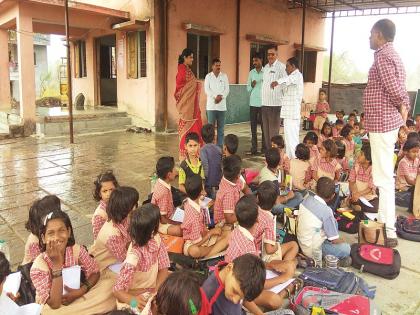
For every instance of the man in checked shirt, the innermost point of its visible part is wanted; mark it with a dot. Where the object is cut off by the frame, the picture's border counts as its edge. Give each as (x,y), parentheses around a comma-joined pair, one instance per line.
(386,105)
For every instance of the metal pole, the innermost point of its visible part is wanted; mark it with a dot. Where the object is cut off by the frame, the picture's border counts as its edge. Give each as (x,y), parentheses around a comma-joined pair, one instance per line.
(238,29)
(69,87)
(331,57)
(302,55)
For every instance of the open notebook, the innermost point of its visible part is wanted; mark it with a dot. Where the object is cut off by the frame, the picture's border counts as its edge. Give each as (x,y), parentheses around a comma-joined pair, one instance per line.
(7,306)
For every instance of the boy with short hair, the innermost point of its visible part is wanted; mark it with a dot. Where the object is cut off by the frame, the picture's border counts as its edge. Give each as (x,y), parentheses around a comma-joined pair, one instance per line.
(242,241)
(407,173)
(271,172)
(229,284)
(199,241)
(229,192)
(192,164)
(162,195)
(230,145)
(317,226)
(211,159)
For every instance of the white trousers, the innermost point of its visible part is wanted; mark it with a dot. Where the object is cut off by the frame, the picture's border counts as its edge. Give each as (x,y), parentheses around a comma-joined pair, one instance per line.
(382,146)
(291,136)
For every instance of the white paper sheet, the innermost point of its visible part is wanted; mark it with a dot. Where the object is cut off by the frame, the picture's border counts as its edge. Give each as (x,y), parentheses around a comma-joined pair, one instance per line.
(366,202)
(178,215)
(7,306)
(205,202)
(12,283)
(276,289)
(71,277)
(115,268)
(372,216)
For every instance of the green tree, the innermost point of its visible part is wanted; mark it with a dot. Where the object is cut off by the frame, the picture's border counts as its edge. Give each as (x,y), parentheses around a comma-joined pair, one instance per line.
(344,70)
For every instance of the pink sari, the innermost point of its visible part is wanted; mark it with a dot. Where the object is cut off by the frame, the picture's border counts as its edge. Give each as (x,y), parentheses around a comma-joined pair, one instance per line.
(187,96)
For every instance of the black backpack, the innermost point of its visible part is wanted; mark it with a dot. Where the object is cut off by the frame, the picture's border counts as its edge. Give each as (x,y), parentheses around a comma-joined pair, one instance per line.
(336,279)
(26,290)
(376,259)
(408,228)
(188,171)
(347,225)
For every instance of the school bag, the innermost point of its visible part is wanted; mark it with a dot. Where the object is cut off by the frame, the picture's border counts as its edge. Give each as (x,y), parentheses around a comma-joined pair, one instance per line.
(336,279)
(26,290)
(308,299)
(376,259)
(348,225)
(408,228)
(188,171)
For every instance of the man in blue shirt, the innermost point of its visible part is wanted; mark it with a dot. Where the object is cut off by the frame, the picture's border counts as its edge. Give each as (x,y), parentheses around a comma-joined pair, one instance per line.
(254,85)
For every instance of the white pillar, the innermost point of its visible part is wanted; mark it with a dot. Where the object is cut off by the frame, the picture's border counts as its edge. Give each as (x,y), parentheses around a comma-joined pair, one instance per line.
(4,73)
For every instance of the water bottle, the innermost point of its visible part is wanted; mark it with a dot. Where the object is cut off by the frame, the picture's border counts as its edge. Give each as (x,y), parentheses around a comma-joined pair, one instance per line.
(317,249)
(5,249)
(134,307)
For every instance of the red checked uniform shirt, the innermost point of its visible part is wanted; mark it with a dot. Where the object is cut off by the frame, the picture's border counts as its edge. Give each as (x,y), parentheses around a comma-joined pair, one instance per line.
(99,218)
(264,230)
(162,197)
(241,242)
(385,91)
(408,168)
(193,227)
(226,198)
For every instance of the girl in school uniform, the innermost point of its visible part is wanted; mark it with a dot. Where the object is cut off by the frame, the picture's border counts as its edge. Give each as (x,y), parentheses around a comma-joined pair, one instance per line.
(407,172)
(147,262)
(326,133)
(347,134)
(39,209)
(300,169)
(361,182)
(110,247)
(105,183)
(59,250)
(311,141)
(327,165)
(278,143)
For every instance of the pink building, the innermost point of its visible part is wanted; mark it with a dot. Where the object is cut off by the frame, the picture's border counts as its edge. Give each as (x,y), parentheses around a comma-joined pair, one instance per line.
(124,53)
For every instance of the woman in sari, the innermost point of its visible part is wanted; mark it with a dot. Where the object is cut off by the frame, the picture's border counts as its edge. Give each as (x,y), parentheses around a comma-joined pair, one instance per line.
(187,95)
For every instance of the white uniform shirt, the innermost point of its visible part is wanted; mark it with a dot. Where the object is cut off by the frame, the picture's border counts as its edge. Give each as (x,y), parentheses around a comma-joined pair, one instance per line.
(292,87)
(214,86)
(274,72)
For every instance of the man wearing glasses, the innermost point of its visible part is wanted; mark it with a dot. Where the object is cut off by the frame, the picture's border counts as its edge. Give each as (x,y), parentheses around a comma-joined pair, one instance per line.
(272,95)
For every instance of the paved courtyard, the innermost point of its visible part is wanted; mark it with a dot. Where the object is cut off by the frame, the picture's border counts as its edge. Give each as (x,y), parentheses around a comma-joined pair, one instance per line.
(31,168)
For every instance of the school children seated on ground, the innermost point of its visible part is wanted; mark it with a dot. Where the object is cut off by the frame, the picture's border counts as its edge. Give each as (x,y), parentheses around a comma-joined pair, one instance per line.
(271,172)
(110,247)
(192,164)
(199,240)
(411,126)
(230,145)
(278,143)
(327,165)
(407,171)
(311,141)
(317,230)
(326,133)
(38,210)
(342,159)
(229,192)
(105,183)
(59,250)
(338,126)
(351,119)
(361,182)
(162,195)
(417,119)
(300,169)
(231,283)
(242,242)
(347,134)
(211,158)
(147,262)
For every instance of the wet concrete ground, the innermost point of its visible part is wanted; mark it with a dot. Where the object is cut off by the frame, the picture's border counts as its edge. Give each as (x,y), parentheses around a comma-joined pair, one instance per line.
(31,168)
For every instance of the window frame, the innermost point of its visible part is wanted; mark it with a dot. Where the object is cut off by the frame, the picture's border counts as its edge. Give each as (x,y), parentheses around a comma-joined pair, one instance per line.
(213,51)
(139,49)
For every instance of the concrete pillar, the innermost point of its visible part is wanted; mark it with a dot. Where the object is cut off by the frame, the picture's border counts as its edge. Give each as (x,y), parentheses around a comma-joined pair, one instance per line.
(25,45)
(4,73)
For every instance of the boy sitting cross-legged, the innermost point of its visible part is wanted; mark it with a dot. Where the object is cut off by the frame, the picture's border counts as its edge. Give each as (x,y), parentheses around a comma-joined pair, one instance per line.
(199,241)
(242,242)
(162,195)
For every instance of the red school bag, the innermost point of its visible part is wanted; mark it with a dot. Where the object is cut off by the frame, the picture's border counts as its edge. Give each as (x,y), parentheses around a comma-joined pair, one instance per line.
(376,259)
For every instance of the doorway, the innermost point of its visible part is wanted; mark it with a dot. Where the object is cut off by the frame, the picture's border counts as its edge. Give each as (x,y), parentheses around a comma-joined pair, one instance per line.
(106,70)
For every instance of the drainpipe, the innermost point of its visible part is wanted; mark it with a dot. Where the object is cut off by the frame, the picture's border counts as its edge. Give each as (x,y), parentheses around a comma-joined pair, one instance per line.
(302,56)
(238,28)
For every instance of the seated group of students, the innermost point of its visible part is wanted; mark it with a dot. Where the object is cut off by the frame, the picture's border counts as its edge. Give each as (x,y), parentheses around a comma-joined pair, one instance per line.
(128,263)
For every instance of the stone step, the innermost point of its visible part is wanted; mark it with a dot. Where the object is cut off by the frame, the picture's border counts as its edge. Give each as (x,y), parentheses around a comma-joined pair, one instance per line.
(81,117)
(99,124)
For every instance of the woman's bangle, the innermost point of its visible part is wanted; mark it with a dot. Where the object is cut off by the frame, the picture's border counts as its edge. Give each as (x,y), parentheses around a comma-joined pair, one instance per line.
(57,273)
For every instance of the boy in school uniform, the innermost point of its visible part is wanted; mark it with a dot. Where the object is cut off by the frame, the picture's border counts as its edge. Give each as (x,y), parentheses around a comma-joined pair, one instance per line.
(162,195)
(272,173)
(407,171)
(192,164)
(231,283)
(211,159)
(242,242)
(229,192)
(199,241)
(317,226)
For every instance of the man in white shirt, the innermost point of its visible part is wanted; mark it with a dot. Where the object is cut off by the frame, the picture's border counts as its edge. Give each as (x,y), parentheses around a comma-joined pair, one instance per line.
(271,95)
(292,87)
(216,86)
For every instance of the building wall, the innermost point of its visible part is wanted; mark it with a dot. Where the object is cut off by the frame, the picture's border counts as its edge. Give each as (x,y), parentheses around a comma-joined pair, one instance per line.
(263,17)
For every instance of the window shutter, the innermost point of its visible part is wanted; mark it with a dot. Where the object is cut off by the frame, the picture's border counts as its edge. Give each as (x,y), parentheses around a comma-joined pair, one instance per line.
(143,63)
(77,59)
(132,52)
